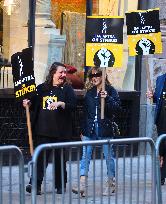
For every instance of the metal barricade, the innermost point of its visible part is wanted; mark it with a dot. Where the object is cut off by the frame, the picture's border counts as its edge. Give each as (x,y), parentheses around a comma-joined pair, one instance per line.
(11,175)
(158,174)
(135,174)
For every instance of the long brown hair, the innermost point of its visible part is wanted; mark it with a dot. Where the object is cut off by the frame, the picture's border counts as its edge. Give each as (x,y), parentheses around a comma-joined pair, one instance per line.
(49,79)
(88,83)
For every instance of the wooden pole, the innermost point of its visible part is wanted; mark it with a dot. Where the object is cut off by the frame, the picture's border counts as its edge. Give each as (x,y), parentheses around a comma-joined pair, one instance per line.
(29,129)
(103,89)
(119,7)
(148,76)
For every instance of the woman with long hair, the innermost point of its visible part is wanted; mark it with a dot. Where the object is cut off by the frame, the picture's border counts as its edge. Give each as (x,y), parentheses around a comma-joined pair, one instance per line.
(95,128)
(52,106)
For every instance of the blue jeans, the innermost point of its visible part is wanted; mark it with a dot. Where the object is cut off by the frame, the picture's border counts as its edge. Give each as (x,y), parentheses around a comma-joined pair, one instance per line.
(87,154)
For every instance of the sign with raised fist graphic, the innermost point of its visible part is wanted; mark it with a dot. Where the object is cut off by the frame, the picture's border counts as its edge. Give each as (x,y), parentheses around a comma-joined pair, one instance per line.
(104,41)
(143,30)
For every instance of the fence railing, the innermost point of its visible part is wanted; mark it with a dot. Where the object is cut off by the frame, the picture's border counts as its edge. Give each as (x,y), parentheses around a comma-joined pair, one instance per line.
(11,176)
(135,175)
(158,174)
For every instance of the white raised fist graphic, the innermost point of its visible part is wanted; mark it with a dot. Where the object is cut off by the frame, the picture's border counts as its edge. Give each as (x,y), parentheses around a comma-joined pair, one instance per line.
(49,101)
(104,56)
(145,45)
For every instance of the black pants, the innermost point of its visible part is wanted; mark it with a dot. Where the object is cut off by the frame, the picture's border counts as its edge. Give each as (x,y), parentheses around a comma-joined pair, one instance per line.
(46,156)
(162,149)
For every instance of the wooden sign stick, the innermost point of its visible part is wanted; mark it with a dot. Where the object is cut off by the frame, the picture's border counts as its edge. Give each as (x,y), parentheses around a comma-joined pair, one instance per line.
(103,89)
(148,77)
(29,129)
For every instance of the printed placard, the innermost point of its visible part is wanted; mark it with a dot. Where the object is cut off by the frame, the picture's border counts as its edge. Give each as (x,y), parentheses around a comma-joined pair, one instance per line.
(104,41)
(143,30)
(23,74)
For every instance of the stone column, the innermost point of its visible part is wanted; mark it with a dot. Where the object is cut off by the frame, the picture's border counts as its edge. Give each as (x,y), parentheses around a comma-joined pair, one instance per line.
(162,5)
(15,30)
(48,41)
(15,34)
(43,6)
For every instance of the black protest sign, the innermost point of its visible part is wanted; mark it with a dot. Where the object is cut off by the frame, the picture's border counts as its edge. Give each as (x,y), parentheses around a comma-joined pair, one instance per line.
(23,74)
(104,41)
(143,30)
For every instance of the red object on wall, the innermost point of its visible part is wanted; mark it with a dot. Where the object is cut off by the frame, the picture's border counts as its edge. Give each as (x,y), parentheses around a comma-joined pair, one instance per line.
(75,80)
(70,69)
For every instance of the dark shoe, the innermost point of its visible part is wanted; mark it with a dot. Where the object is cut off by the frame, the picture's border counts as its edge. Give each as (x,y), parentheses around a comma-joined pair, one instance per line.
(59,190)
(162,181)
(29,189)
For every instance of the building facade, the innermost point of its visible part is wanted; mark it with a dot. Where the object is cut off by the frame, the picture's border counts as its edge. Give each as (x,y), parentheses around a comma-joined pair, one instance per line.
(60,36)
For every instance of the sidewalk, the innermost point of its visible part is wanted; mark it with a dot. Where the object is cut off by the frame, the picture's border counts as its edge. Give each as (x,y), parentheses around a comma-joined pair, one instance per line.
(121,195)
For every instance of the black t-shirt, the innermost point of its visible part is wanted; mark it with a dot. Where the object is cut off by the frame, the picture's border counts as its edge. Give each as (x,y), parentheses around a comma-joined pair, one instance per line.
(55,123)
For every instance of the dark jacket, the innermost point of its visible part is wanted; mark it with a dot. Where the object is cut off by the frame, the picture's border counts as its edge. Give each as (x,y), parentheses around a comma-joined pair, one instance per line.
(53,123)
(112,106)
(157,95)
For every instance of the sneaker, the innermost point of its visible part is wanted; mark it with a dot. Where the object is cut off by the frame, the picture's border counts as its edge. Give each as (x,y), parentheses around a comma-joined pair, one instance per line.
(110,187)
(29,189)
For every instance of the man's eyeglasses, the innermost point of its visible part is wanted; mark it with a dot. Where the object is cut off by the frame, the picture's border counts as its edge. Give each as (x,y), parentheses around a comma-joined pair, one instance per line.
(99,74)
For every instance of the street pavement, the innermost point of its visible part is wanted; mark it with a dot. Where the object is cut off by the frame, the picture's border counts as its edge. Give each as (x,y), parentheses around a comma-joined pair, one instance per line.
(124,193)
